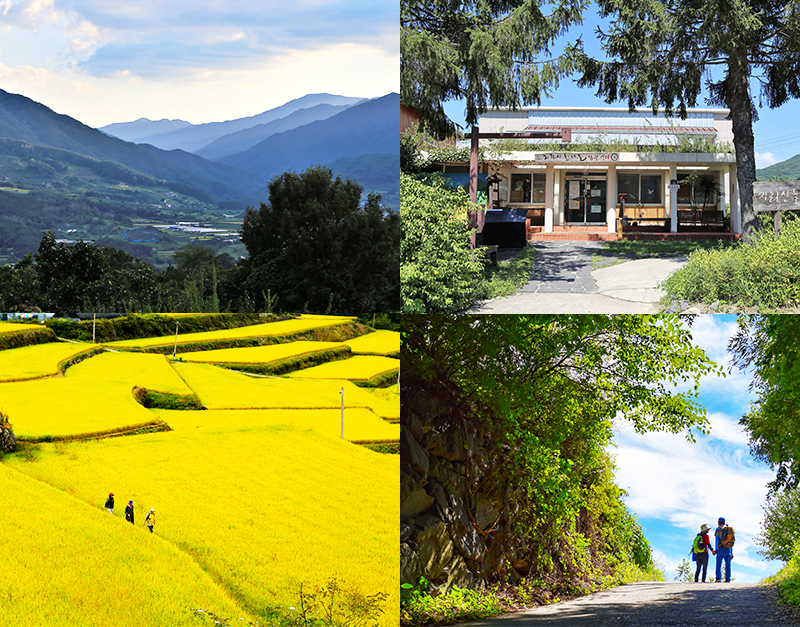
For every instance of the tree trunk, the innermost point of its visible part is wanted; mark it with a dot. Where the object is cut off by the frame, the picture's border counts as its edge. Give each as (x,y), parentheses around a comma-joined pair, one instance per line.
(741,107)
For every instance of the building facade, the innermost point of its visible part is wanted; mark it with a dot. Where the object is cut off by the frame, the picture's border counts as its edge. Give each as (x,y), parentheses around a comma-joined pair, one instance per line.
(621,169)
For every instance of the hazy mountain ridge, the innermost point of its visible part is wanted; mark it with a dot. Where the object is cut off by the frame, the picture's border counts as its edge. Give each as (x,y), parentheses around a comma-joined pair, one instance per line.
(372,127)
(23,119)
(196,136)
(245,139)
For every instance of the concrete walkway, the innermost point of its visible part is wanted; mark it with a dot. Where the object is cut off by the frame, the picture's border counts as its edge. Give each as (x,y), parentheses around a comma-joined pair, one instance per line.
(562,281)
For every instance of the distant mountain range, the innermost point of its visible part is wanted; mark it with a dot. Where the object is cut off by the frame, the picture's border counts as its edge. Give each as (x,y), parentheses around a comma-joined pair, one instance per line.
(172,134)
(57,173)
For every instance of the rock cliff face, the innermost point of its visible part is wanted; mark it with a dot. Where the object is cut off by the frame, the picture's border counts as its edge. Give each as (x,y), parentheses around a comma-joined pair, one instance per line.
(456,506)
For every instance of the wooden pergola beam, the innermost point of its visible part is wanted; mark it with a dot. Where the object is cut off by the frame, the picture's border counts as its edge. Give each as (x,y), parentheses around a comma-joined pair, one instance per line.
(565,135)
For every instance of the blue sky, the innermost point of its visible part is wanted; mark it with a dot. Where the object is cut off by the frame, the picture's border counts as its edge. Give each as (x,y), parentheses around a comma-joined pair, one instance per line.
(104,61)
(676,486)
(777,135)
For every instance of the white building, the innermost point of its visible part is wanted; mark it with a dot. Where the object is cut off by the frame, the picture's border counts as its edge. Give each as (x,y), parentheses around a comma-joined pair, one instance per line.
(563,188)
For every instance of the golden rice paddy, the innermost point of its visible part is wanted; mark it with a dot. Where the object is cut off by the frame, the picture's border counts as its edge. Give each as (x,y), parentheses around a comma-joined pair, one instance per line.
(10,327)
(358,368)
(259,354)
(381,342)
(39,360)
(254,496)
(148,370)
(270,329)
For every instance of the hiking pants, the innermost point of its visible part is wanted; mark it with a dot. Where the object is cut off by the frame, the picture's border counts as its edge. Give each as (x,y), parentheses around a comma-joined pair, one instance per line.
(727,557)
(702,561)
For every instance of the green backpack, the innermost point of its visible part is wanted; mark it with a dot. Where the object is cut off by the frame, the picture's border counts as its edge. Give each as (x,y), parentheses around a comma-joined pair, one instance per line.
(699,545)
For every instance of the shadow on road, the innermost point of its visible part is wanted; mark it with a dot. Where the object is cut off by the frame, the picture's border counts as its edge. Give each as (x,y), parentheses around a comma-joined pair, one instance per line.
(657,605)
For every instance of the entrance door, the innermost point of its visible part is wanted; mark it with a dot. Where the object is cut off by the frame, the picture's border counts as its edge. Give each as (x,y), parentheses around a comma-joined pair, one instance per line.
(585,200)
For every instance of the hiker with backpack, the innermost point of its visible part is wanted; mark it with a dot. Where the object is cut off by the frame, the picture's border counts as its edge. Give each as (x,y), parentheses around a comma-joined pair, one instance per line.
(725,537)
(700,548)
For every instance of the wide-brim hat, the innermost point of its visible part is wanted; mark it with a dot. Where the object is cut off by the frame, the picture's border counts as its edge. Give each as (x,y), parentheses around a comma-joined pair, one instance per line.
(704,527)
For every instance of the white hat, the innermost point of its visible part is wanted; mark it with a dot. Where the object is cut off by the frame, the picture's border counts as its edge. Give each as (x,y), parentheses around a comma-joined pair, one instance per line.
(152,509)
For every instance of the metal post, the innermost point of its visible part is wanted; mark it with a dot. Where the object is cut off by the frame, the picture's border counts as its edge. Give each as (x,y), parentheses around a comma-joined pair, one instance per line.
(175,348)
(94,325)
(342,393)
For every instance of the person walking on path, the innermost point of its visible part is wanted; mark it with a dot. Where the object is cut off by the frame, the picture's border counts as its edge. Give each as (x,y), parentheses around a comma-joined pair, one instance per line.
(700,548)
(110,503)
(129,512)
(150,519)
(723,536)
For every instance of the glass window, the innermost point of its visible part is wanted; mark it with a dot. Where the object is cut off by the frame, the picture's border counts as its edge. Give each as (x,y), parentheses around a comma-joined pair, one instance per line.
(539,181)
(628,184)
(520,188)
(706,189)
(503,190)
(644,188)
(651,188)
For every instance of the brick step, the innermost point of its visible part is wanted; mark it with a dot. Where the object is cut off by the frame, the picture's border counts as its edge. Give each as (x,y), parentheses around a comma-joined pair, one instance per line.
(576,236)
(602,228)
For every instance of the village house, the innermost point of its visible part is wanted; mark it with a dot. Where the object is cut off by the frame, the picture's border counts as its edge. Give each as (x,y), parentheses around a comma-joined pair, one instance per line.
(615,173)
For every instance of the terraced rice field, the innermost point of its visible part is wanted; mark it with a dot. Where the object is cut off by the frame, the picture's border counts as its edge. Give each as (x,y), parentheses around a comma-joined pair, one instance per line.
(381,342)
(39,360)
(271,329)
(11,327)
(259,354)
(254,496)
(358,368)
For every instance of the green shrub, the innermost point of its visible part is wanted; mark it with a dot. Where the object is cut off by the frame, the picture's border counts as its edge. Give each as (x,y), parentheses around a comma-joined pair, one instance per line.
(788,579)
(438,272)
(134,326)
(763,273)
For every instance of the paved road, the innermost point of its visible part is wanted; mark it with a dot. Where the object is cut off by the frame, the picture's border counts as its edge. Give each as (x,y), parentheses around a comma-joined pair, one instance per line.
(562,281)
(658,605)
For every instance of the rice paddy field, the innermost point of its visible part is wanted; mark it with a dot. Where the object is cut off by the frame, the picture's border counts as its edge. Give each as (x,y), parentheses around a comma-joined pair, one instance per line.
(255,495)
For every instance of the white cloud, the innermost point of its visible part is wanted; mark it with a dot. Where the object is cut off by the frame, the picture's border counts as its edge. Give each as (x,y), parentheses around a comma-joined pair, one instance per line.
(764,159)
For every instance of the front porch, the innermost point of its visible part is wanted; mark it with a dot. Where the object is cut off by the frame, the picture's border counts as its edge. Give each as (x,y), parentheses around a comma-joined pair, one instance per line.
(589,233)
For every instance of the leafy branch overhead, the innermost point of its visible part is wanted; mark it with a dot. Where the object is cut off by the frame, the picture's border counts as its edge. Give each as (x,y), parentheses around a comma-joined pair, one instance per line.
(663,53)
(489,53)
(525,367)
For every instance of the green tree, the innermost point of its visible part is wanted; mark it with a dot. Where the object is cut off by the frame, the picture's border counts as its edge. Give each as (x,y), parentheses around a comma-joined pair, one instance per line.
(438,270)
(780,527)
(684,571)
(545,390)
(663,52)
(616,365)
(319,248)
(488,53)
(769,347)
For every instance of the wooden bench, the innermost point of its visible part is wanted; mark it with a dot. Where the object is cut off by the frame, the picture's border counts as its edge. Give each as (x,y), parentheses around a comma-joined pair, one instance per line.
(702,218)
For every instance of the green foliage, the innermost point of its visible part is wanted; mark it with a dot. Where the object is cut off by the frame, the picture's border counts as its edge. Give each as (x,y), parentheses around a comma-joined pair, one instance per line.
(507,276)
(768,347)
(438,271)
(319,248)
(788,578)
(489,54)
(336,605)
(684,571)
(163,400)
(456,605)
(26,336)
(547,388)
(780,527)
(763,272)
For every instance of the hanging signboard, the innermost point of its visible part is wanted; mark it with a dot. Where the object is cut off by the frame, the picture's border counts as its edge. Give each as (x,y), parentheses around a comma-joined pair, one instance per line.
(577,157)
(769,196)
